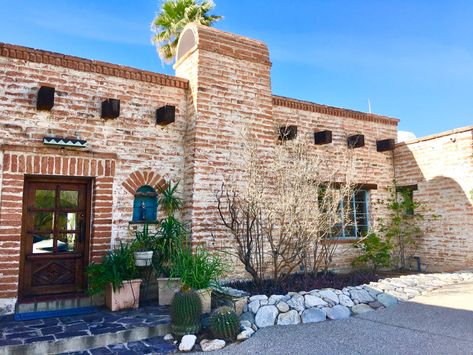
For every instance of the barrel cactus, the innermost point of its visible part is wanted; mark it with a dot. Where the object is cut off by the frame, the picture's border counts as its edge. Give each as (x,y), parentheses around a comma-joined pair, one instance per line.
(224,323)
(186,309)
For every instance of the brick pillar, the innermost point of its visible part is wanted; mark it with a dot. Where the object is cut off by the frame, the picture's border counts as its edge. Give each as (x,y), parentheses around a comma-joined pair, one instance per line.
(230,88)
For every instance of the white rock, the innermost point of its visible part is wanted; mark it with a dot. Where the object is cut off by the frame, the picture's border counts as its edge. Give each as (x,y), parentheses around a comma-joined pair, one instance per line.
(337,312)
(245,323)
(246,334)
(387,300)
(212,345)
(313,315)
(275,298)
(361,308)
(258,298)
(313,301)
(282,306)
(372,290)
(296,302)
(291,317)
(266,316)
(346,301)
(254,306)
(168,337)
(187,342)
(249,316)
(362,296)
(329,296)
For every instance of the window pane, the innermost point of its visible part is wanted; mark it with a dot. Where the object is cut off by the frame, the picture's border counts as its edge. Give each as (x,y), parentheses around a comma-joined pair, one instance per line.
(45,198)
(69,199)
(43,221)
(67,221)
(42,243)
(66,242)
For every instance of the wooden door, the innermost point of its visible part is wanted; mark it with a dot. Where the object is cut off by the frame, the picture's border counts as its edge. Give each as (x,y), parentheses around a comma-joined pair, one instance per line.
(55,236)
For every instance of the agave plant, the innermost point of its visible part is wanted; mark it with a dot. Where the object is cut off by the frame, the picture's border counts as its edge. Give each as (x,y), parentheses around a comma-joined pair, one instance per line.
(171,20)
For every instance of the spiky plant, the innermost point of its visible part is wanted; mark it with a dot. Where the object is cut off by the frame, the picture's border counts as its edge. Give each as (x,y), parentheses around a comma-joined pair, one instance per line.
(173,16)
(224,323)
(186,309)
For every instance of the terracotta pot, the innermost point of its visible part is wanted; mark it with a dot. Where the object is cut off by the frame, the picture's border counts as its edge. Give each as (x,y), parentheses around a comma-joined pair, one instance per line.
(127,296)
(167,288)
(143,258)
(205,295)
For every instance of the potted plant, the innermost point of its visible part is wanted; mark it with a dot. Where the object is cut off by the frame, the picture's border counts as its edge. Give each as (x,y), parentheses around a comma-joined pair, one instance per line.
(199,270)
(116,275)
(171,233)
(143,245)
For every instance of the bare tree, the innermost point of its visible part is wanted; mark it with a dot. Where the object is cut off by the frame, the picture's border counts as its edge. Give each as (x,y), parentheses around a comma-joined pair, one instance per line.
(284,207)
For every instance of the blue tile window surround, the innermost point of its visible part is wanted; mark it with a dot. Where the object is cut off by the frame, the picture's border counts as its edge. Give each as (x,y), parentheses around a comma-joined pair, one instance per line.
(145,205)
(358,211)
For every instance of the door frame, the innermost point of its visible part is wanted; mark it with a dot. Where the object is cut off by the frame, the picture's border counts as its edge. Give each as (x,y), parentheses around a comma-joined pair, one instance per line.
(88,181)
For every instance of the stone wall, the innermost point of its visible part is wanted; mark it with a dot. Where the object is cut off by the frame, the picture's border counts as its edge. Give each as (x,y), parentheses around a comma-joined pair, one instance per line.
(442,168)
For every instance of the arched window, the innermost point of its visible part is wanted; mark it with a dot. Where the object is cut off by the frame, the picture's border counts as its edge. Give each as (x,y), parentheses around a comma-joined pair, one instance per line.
(145,205)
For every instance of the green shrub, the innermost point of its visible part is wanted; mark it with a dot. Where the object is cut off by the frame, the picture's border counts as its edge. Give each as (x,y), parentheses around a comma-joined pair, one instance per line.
(144,240)
(186,309)
(376,253)
(224,323)
(117,266)
(199,269)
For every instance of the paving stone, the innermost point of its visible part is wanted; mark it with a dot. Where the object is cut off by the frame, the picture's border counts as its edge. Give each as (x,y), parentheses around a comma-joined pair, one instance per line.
(44,338)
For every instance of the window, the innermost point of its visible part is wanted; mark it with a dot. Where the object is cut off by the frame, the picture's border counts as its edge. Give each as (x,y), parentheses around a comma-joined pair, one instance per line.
(145,205)
(356,211)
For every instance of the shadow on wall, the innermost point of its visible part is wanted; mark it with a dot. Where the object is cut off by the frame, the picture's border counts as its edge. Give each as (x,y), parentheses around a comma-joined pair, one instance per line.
(447,243)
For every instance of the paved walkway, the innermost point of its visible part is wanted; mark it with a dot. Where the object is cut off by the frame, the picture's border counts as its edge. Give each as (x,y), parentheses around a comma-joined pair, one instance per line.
(438,323)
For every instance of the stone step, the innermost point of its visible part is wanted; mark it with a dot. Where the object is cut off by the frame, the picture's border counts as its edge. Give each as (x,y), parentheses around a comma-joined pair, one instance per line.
(79,333)
(59,303)
(156,345)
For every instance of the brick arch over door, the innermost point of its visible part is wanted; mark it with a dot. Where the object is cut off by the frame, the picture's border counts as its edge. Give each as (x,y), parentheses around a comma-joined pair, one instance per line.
(145,177)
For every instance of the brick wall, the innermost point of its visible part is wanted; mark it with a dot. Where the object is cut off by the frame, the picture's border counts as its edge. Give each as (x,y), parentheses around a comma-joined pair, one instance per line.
(122,153)
(231,89)
(223,85)
(442,167)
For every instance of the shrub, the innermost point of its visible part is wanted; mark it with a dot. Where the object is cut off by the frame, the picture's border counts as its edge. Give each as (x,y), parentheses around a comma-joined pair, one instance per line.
(375,252)
(224,323)
(186,309)
(199,269)
(117,266)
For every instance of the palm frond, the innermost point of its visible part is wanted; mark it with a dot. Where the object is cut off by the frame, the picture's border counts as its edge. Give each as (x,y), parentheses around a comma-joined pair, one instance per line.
(171,20)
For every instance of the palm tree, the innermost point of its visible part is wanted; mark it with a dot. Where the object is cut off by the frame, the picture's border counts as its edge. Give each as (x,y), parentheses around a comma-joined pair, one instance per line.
(173,17)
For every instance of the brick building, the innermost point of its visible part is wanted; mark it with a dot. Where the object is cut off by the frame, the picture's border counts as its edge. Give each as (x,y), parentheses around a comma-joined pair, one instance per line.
(75,170)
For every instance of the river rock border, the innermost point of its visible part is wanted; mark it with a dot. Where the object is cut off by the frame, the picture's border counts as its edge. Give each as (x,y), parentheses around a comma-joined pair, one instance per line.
(330,304)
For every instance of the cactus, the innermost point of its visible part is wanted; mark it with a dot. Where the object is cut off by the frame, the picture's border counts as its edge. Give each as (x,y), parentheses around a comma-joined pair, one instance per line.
(224,323)
(186,309)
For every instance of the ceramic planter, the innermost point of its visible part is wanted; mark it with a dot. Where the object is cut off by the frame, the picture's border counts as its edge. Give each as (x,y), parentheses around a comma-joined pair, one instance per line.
(167,288)
(143,258)
(205,295)
(127,296)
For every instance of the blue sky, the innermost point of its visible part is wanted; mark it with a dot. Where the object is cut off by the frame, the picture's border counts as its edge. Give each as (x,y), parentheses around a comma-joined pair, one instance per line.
(413,59)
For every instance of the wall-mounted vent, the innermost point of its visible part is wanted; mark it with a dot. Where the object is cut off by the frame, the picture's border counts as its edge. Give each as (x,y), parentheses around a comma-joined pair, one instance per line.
(287,133)
(323,137)
(356,141)
(165,115)
(45,99)
(110,108)
(385,145)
